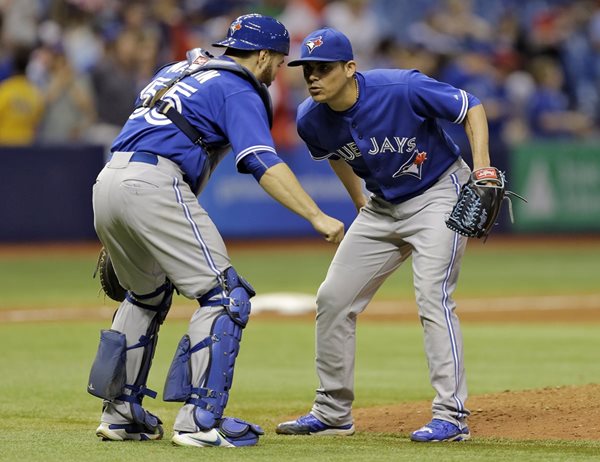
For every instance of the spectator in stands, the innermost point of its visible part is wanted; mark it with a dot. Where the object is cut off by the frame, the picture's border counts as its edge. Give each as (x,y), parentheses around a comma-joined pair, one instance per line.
(5,58)
(81,43)
(20,20)
(21,103)
(426,34)
(474,72)
(115,87)
(548,110)
(359,19)
(457,23)
(69,110)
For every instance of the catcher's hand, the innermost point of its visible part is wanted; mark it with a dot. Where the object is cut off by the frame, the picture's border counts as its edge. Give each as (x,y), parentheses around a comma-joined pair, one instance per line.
(479,203)
(108,278)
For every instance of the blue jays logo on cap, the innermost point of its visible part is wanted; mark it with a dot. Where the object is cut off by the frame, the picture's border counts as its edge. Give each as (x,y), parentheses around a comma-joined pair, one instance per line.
(314,43)
(235,25)
(324,45)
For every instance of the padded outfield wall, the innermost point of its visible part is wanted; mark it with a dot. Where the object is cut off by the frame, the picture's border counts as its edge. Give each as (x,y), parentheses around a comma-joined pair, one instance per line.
(561,182)
(46,194)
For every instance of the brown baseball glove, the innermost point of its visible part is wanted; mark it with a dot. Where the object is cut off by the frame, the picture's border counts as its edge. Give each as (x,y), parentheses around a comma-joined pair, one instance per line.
(108,278)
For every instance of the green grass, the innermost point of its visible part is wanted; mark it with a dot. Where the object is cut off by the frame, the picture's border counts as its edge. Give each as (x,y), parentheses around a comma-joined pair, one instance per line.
(490,270)
(48,416)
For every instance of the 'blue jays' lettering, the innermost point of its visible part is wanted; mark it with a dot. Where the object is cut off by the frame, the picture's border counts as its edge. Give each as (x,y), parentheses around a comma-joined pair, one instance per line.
(389,145)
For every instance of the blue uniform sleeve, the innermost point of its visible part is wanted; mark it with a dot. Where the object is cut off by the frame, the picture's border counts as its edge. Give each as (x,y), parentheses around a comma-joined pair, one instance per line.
(247,128)
(257,163)
(434,99)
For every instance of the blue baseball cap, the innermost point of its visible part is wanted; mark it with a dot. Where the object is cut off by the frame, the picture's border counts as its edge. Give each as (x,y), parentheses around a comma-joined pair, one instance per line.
(256,32)
(324,45)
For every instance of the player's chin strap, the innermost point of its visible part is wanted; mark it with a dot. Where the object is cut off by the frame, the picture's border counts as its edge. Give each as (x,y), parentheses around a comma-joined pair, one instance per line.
(108,376)
(210,396)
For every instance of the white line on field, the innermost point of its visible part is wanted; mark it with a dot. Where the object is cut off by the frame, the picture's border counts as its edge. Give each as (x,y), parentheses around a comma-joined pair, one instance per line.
(467,305)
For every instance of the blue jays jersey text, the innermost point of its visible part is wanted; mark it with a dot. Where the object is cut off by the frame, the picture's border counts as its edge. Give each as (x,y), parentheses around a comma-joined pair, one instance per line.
(390,137)
(224,107)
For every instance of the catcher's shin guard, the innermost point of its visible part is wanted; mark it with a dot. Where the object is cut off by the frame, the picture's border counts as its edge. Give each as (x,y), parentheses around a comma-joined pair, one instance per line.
(108,377)
(211,395)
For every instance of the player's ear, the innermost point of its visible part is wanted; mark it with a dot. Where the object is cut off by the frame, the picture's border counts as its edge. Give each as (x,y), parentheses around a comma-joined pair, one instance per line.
(263,56)
(350,68)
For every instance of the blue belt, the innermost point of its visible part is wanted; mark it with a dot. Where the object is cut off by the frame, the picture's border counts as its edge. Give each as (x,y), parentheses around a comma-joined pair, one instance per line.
(145,157)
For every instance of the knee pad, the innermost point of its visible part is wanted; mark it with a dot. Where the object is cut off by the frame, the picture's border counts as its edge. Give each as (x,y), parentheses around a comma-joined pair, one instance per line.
(211,396)
(234,294)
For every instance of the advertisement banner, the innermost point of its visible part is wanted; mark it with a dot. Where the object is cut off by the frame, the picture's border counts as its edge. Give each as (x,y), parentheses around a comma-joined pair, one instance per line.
(561,182)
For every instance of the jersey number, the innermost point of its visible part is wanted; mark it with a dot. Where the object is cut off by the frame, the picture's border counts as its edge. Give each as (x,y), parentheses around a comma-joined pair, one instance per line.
(174,96)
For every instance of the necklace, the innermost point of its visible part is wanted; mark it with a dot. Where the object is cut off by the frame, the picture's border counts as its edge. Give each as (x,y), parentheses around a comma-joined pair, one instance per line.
(357,88)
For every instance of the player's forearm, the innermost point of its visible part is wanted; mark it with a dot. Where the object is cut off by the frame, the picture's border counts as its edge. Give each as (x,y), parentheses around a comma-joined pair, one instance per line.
(476,127)
(351,182)
(281,184)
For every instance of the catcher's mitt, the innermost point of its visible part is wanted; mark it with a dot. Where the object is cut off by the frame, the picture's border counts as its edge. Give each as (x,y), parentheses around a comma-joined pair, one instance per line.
(108,278)
(479,203)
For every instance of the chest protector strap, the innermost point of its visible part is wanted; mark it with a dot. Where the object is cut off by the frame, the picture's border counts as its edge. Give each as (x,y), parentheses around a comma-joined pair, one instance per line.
(204,61)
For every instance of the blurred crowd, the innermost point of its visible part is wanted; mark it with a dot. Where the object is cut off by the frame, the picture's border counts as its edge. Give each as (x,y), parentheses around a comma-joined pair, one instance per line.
(70,70)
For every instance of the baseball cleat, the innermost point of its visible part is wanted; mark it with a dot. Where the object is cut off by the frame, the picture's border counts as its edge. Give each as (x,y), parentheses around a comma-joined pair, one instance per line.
(211,438)
(131,431)
(230,433)
(439,430)
(310,425)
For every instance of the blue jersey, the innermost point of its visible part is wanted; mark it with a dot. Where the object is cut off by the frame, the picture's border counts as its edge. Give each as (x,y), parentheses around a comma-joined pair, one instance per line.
(391,137)
(223,106)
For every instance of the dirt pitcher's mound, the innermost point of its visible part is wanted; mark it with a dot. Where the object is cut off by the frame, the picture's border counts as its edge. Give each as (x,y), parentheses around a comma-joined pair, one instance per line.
(558,413)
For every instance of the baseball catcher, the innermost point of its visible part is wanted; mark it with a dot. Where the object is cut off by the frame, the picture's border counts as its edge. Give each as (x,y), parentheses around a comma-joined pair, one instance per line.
(479,203)
(157,236)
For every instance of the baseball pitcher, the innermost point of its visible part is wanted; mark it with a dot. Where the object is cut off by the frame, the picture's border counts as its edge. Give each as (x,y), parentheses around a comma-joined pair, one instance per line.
(379,129)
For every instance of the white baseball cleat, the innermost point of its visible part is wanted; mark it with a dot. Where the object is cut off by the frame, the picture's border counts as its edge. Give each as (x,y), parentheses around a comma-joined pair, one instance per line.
(211,438)
(132,431)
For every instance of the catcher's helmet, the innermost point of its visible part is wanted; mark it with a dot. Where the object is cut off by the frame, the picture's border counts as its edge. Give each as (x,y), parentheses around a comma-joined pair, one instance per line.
(256,32)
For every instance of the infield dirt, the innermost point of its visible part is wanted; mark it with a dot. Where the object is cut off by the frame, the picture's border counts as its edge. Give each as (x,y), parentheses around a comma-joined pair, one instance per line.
(563,413)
